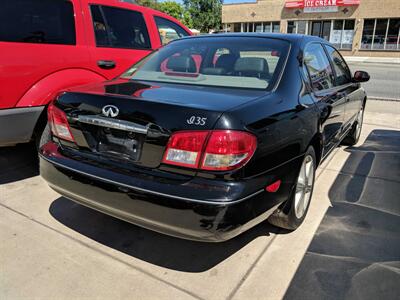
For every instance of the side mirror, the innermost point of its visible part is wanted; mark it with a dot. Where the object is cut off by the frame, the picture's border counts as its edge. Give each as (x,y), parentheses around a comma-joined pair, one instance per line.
(361,76)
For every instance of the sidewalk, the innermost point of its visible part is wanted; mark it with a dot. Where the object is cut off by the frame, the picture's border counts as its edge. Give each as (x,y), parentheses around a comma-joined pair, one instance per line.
(377,60)
(53,248)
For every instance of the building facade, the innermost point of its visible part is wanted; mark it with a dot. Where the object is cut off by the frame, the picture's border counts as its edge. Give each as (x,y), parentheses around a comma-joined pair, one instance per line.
(356,27)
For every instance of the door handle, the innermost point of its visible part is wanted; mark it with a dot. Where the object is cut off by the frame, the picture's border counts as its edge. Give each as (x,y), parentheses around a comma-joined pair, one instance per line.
(106,64)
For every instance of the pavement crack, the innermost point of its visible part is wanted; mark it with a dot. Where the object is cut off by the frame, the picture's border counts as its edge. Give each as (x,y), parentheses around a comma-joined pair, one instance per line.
(102,252)
(251,268)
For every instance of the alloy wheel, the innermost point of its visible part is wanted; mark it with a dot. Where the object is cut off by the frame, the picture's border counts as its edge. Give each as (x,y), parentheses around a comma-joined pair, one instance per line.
(359,122)
(304,186)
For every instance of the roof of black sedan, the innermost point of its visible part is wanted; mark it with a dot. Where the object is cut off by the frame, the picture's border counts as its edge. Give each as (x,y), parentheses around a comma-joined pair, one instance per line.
(294,38)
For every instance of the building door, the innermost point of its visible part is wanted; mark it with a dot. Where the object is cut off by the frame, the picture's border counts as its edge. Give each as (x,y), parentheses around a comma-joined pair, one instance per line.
(321,29)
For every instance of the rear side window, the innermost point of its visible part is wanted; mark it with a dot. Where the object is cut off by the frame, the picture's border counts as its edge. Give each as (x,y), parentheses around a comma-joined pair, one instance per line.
(168,30)
(318,67)
(119,28)
(33,21)
(343,75)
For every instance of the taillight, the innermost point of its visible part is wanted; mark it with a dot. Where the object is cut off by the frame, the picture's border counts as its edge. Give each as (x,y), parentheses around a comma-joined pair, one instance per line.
(216,150)
(227,150)
(184,148)
(59,123)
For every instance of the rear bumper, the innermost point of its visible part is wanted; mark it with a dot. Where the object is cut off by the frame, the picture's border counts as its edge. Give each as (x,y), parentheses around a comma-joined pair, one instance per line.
(17,124)
(197,219)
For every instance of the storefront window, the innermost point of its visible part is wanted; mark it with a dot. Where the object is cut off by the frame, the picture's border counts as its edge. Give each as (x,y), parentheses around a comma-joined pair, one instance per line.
(291,27)
(275,26)
(348,34)
(259,27)
(267,27)
(381,34)
(338,25)
(393,35)
(299,27)
(342,34)
(250,27)
(237,27)
(302,27)
(368,33)
(338,32)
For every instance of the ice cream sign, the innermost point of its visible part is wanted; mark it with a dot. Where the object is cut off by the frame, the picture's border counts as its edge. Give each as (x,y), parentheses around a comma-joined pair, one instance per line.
(311,6)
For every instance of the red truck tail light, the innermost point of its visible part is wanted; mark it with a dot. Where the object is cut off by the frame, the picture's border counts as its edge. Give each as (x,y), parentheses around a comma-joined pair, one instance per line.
(59,123)
(216,150)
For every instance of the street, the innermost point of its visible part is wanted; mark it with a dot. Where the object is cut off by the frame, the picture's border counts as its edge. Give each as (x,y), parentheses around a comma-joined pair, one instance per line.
(385,79)
(348,246)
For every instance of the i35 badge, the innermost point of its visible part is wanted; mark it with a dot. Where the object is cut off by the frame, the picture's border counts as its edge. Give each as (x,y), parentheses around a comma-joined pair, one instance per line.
(110,111)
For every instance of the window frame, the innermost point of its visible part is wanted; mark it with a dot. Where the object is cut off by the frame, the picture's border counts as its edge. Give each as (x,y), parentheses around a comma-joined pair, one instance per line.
(308,72)
(155,17)
(100,6)
(333,65)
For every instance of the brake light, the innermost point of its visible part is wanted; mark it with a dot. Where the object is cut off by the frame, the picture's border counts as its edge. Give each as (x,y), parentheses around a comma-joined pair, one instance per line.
(227,150)
(59,123)
(184,148)
(217,150)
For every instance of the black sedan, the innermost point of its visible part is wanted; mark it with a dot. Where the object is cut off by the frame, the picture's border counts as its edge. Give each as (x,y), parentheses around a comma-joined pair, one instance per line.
(207,136)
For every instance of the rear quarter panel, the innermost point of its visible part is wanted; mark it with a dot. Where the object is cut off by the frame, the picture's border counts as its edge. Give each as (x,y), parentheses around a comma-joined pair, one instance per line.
(45,90)
(284,121)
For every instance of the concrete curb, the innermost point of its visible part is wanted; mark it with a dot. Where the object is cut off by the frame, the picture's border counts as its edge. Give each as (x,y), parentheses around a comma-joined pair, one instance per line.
(383,99)
(372,60)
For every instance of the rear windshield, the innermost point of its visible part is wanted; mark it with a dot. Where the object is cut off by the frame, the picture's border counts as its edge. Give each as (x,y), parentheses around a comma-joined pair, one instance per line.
(240,62)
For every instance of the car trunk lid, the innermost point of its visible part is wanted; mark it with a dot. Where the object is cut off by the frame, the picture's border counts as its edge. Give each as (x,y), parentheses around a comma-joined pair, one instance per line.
(131,122)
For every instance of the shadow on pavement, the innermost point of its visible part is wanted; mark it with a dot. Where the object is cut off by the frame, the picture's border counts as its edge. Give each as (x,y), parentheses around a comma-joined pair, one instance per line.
(18,162)
(152,247)
(355,253)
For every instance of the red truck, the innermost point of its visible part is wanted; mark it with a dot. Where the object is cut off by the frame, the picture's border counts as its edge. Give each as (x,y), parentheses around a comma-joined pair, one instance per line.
(48,46)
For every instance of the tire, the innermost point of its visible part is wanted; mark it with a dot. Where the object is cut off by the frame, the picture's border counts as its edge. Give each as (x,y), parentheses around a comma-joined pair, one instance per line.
(354,134)
(293,212)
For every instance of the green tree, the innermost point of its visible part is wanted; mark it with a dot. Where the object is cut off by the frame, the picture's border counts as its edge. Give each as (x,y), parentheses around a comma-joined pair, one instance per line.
(187,19)
(148,3)
(177,11)
(205,14)
(171,8)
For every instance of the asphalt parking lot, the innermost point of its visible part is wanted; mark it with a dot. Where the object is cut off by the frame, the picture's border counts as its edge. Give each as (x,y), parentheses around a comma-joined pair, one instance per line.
(348,247)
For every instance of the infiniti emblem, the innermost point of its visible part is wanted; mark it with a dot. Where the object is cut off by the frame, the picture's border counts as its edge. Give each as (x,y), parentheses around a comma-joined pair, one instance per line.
(110,111)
